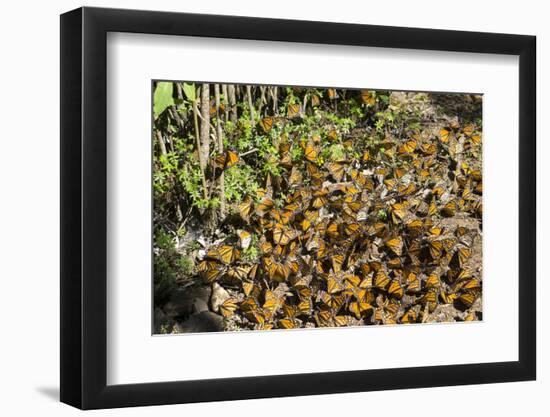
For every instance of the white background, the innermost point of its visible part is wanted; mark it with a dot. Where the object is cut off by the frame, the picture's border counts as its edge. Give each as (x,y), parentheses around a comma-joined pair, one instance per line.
(29,214)
(133,60)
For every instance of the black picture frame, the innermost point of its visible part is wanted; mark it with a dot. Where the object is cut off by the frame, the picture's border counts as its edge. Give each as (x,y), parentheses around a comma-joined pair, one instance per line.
(84,207)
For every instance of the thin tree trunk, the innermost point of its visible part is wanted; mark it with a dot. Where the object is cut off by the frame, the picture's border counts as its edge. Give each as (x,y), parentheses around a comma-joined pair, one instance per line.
(262,100)
(198,144)
(225,102)
(220,148)
(232,103)
(250,104)
(274,93)
(162,145)
(179,91)
(205,124)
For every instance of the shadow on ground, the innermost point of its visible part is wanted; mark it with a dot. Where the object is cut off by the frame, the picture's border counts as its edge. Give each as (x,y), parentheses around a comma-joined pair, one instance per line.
(50,392)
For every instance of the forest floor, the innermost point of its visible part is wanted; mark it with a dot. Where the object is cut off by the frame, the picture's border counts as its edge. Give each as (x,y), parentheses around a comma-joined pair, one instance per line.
(196,304)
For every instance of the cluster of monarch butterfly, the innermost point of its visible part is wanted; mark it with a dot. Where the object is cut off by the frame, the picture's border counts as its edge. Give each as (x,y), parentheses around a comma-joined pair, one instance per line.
(382,238)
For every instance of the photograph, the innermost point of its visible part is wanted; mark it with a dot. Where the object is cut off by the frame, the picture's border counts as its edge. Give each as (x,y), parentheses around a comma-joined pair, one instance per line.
(290,207)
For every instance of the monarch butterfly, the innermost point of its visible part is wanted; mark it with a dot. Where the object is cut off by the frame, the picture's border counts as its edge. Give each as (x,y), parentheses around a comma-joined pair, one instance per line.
(305,307)
(341,321)
(462,255)
(394,263)
(449,209)
(319,199)
(314,173)
(266,247)
(332,230)
(282,235)
(228,307)
(337,170)
(293,110)
(332,94)
(277,271)
(377,229)
(467,298)
(366,156)
(310,152)
(468,130)
(471,284)
(255,316)
(432,209)
(444,135)
(264,206)
(332,135)
(281,216)
(249,304)
(238,273)
(381,280)
(311,215)
(337,262)
(395,289)
(448,298)
(290,310)
(429,148)
(414,226)
(470,317)
(432,281)
(396,245)
(249,288)
(368,97)
(295,176)
(408,147)
(448,243)
(334,301)
(429,299)
(225,253)
(436,249)
(398,212)
(210,270)
(266,124)
(323,318)
(359,308)
(245,208)
(245,238)
(303,288)
(226,160)
(413,283)
(406,189)
(333,285)
(287,324)
(409,316)
(352,280)
(271,302)
(291,208)
(399,172)
(315,100)
(438,190)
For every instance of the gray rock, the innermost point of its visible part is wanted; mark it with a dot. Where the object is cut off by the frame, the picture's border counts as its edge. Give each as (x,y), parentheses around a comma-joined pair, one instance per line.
(187,301)
(199,305)
(219,295)
(205,321)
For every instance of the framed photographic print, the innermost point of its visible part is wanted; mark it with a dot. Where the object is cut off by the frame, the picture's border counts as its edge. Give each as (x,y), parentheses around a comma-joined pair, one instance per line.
(256,208)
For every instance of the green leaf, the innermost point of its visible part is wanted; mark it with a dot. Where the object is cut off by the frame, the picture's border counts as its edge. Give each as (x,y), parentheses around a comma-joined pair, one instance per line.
(162,98)
(189,90)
